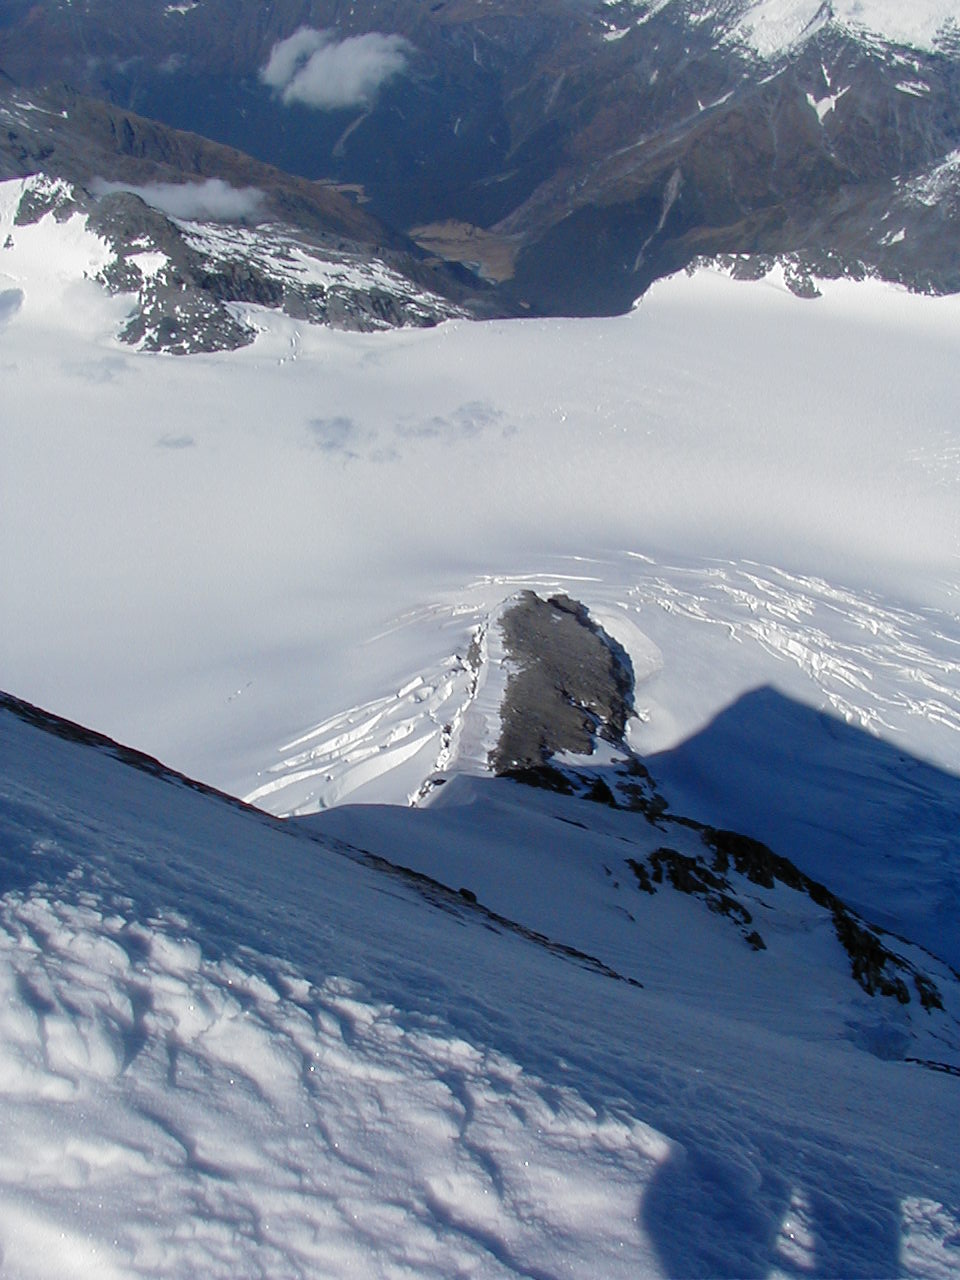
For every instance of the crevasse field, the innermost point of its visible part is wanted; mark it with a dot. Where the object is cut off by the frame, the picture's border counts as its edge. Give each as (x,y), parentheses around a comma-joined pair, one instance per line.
(266,568)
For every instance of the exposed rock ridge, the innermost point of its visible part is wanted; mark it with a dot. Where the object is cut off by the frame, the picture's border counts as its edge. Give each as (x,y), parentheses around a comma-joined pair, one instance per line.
(572,685)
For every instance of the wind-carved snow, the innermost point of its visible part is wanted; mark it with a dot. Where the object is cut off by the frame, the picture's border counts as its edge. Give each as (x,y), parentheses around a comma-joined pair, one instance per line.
(227,1047)
(264,1120)
(929,1233)
(796,1244)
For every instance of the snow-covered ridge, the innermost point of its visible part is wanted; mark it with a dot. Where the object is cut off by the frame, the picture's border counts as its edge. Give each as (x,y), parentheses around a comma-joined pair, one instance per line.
(185,283)
(771,27)
(892,675)
(889,671)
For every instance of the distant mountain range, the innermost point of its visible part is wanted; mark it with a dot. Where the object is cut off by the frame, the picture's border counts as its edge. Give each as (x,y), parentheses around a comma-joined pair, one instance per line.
(561,156)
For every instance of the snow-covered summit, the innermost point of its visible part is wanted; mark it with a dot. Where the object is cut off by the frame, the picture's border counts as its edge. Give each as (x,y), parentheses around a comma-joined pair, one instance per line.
(771,27)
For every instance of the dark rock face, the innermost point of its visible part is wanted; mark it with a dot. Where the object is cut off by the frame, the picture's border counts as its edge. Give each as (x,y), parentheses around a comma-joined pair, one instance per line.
(177,318)
(571,684)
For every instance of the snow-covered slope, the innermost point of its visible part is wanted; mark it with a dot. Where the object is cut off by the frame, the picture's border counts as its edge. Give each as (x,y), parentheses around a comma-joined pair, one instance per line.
(229,1047)
(773,26)
(281,569)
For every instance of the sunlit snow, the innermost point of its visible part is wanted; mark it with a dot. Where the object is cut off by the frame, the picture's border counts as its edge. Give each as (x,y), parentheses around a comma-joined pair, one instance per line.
(209,557)
(280,570)
(772,26)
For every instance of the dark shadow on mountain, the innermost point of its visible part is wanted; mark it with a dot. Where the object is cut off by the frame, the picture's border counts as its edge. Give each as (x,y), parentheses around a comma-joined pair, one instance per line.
(879,826)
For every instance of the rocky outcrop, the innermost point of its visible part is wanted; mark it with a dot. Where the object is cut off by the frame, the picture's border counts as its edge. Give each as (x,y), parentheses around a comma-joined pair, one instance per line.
(195,284)
(571,685)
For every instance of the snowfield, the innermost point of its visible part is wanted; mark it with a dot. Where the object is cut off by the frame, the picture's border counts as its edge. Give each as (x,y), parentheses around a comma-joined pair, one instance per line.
(209,557)
(232,1046)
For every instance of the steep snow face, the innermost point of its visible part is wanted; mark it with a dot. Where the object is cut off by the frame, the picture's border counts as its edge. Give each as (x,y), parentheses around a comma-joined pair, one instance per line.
(771,27)
(228,1046)
(257,1100)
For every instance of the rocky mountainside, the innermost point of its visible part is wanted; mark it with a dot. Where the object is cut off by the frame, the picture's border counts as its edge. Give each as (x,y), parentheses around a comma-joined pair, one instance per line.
(572,152)
(197,229)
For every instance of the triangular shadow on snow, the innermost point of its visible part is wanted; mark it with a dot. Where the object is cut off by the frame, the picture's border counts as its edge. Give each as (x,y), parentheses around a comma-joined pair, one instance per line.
(877,825)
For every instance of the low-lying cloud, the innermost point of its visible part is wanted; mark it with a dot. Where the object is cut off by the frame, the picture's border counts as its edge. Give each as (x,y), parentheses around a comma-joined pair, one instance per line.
(315,68)
(213,199)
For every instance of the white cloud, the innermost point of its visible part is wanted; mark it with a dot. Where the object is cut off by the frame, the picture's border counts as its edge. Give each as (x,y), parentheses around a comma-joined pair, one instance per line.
(314,68)
(210,199)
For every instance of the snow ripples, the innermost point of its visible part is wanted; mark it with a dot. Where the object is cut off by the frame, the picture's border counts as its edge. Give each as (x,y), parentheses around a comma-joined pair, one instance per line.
(227,1116)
